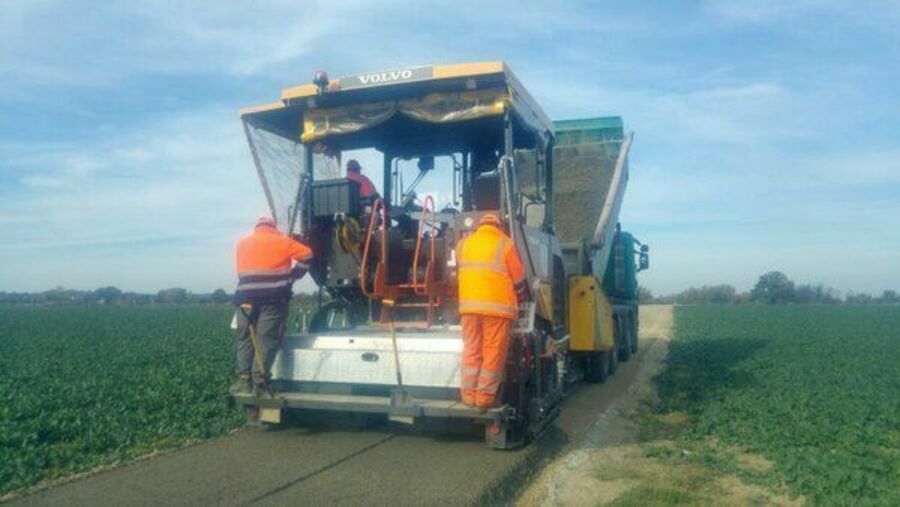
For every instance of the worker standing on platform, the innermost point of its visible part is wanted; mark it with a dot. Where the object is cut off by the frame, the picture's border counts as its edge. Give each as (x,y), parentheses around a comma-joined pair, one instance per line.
(262,296)
(491,286)
(366,187)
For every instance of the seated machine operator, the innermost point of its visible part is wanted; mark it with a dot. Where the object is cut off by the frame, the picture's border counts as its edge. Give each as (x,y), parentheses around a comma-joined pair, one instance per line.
(366,187)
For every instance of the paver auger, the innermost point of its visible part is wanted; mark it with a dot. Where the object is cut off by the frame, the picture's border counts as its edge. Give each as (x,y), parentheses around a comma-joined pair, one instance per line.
(386,266)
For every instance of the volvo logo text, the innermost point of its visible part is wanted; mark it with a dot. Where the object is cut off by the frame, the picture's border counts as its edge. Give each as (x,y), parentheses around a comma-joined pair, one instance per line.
(385,77)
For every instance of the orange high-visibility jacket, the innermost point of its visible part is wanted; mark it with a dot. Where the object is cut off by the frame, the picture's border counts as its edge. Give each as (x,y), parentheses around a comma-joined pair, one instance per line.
(264,265)
(489,269)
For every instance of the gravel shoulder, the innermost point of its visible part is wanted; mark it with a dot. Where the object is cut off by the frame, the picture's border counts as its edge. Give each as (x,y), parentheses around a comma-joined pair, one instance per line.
(571,478)
(616,464)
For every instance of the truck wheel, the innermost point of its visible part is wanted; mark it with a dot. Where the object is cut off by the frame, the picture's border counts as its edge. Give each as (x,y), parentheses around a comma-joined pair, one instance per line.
(634,333)
(613,360)
(596,367)
(614,352)
(625,351)
(624,339)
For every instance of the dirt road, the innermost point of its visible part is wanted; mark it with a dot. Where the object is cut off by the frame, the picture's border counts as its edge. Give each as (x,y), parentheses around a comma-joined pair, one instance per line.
(321,466)
(572,478)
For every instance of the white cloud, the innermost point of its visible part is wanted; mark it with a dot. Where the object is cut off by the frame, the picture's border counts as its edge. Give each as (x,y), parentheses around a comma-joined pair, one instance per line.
(808,17)
(112,42)
(748,124)
(187,181)
(852,169)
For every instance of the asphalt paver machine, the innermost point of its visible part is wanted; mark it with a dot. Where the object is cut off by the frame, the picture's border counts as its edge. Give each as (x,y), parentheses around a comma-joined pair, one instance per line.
(385,336)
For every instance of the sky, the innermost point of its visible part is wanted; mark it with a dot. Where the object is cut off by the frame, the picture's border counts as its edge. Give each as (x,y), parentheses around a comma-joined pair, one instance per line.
(767,133)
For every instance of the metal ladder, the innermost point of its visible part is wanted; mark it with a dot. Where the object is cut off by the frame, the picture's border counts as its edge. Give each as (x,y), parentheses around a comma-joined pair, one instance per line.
(417,294)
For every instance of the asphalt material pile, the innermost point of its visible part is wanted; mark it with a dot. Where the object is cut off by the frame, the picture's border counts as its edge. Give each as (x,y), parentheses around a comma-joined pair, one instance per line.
(581,180)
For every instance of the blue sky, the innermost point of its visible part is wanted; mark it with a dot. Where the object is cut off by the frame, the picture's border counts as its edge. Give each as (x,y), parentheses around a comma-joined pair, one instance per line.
(767,133)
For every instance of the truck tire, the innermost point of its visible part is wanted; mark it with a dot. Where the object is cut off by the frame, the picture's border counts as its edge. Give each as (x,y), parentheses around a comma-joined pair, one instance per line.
(613,360)
(596,367)
(614,352)
(624,338)
(634,333)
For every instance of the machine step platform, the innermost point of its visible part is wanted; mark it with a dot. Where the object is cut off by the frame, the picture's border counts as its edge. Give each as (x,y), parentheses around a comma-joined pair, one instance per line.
(415,407)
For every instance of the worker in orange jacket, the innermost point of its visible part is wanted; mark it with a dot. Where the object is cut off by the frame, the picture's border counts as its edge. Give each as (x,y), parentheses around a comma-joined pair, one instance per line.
(265,277)
(491,285)
(366,187)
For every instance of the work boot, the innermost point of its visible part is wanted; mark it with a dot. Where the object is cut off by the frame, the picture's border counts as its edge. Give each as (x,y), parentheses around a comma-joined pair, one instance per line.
(241,386)
(263,389)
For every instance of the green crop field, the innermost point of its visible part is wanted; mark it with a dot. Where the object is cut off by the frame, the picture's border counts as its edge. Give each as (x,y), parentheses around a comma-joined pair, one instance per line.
(82,387)
(814,389)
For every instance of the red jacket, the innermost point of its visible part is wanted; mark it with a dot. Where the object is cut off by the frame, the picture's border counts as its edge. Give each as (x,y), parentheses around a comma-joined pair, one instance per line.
(366,187)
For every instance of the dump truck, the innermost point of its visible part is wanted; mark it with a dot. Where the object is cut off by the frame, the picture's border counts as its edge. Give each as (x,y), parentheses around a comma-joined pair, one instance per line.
(385,336)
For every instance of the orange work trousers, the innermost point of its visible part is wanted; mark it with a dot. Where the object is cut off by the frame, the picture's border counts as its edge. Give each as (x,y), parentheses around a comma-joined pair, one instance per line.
(485,344)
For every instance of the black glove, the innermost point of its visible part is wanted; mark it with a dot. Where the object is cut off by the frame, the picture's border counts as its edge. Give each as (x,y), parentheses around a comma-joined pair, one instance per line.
(297,272)
(521,293)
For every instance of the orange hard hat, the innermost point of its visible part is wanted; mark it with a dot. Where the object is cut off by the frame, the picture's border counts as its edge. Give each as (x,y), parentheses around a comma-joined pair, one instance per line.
(490,219)
(265,222)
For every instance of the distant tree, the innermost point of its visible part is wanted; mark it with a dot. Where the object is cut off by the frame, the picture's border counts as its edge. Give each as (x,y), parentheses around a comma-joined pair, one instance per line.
(828,294)
(741,298)
(859,298)
(668,299)
(773,287)
(889,297)
(136,298)
(62,295)
(173,295)
(805,294)
(708,294)
(814,294)
(108,294)
(720,294)
(203,299)
(644,295)
(220,296)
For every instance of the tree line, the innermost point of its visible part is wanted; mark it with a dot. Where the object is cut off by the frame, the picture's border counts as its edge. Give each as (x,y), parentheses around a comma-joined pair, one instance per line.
(773,287)
(114,295)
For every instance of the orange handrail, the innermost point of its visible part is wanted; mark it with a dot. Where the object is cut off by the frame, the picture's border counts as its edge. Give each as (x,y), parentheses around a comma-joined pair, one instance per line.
(419,238)
(377,206)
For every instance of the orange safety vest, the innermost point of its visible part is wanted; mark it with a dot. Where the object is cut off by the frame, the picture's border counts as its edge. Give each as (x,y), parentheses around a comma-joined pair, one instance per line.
(366,187)
(489,269)
(264,265)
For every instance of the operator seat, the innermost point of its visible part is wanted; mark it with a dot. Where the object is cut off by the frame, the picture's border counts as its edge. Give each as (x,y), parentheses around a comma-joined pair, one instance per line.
(486,192)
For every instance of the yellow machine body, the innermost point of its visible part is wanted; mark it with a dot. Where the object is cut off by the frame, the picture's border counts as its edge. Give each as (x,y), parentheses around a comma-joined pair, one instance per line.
(590,316)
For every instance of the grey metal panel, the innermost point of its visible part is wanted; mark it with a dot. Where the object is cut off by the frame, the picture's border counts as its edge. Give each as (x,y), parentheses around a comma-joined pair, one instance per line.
(606,225)
(425,360)
(382,331)
(540,249)
(373,404)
